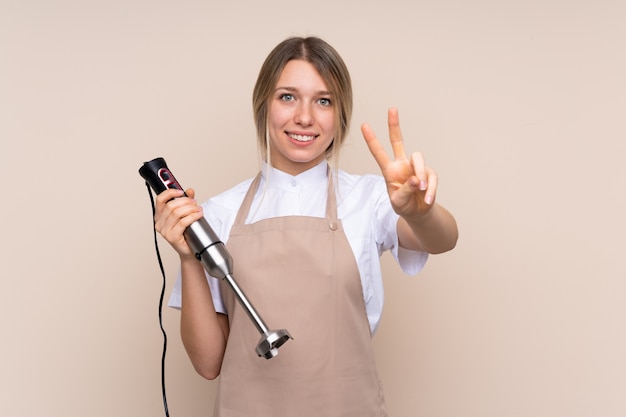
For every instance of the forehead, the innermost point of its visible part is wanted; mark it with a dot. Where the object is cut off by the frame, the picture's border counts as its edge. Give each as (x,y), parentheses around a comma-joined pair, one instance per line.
(301,75)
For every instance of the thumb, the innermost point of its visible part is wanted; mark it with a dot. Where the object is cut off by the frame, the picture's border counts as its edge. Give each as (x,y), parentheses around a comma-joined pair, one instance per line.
(191,193)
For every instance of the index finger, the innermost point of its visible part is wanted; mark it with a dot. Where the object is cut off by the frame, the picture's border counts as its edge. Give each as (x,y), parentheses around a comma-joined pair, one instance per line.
(375,147)
(167,195)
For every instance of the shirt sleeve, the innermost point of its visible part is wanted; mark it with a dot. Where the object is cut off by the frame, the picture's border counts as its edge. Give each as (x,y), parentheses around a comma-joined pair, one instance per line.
(411,262)
(175,301)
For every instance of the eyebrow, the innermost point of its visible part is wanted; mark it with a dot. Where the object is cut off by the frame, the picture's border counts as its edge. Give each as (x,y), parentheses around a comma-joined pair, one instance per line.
(294,89)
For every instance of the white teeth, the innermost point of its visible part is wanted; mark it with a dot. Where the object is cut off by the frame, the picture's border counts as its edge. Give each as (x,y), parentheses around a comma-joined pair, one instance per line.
(301,138)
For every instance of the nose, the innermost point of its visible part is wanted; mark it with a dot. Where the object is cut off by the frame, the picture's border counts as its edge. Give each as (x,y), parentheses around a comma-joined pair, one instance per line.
(304,115)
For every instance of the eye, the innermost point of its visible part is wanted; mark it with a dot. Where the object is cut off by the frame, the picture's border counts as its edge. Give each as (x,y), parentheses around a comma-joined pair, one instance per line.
(286,97)
(325,102)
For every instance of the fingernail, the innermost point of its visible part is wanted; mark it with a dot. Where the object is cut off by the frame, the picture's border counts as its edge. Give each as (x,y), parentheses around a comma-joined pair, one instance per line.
(428,199)
(423,185)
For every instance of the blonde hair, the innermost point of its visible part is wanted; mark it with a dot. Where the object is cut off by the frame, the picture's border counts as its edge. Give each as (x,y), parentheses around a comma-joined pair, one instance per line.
(331,68)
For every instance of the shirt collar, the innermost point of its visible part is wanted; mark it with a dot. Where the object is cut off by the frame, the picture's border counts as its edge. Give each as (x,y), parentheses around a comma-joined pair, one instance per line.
(312,177)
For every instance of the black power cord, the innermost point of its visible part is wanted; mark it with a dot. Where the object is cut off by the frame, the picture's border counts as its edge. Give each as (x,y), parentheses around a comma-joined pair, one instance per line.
(158,253)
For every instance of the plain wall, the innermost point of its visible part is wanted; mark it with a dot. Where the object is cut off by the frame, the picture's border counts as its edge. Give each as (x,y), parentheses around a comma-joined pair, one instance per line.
(519,106)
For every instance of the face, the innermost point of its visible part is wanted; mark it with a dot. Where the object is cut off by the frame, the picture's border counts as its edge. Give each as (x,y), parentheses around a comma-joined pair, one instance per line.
(301,118)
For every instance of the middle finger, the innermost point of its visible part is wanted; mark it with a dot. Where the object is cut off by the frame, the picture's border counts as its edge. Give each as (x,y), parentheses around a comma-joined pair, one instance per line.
(395,134)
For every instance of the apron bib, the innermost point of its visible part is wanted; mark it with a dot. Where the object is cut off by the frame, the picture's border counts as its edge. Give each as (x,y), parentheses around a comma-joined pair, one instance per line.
(301,275)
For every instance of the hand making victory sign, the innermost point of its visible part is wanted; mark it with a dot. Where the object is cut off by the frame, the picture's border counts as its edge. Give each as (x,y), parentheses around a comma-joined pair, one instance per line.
(412,188)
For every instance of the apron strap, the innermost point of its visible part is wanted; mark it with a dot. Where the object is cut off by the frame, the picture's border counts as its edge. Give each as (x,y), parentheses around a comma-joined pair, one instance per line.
(243,211)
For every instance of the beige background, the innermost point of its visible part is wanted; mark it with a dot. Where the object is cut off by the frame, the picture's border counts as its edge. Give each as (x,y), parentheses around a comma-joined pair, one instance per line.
(519,105)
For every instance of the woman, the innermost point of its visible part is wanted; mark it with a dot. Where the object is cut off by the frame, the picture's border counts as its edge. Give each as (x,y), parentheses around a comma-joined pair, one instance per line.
(306,239)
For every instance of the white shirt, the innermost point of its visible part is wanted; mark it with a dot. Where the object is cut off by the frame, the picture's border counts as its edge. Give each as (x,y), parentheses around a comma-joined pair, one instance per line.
(363,206)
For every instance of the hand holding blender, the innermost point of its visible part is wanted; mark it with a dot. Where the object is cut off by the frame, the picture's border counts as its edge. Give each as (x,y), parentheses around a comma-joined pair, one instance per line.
(216,260)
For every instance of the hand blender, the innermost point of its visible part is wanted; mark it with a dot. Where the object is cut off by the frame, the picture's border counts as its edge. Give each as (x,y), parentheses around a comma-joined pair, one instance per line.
(212,253)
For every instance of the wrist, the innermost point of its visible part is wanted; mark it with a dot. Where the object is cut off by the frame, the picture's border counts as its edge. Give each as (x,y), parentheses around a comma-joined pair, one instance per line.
(419,217)
(188,258)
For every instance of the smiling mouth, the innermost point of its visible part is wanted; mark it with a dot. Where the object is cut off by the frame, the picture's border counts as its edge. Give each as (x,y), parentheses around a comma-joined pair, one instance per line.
(301,138)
